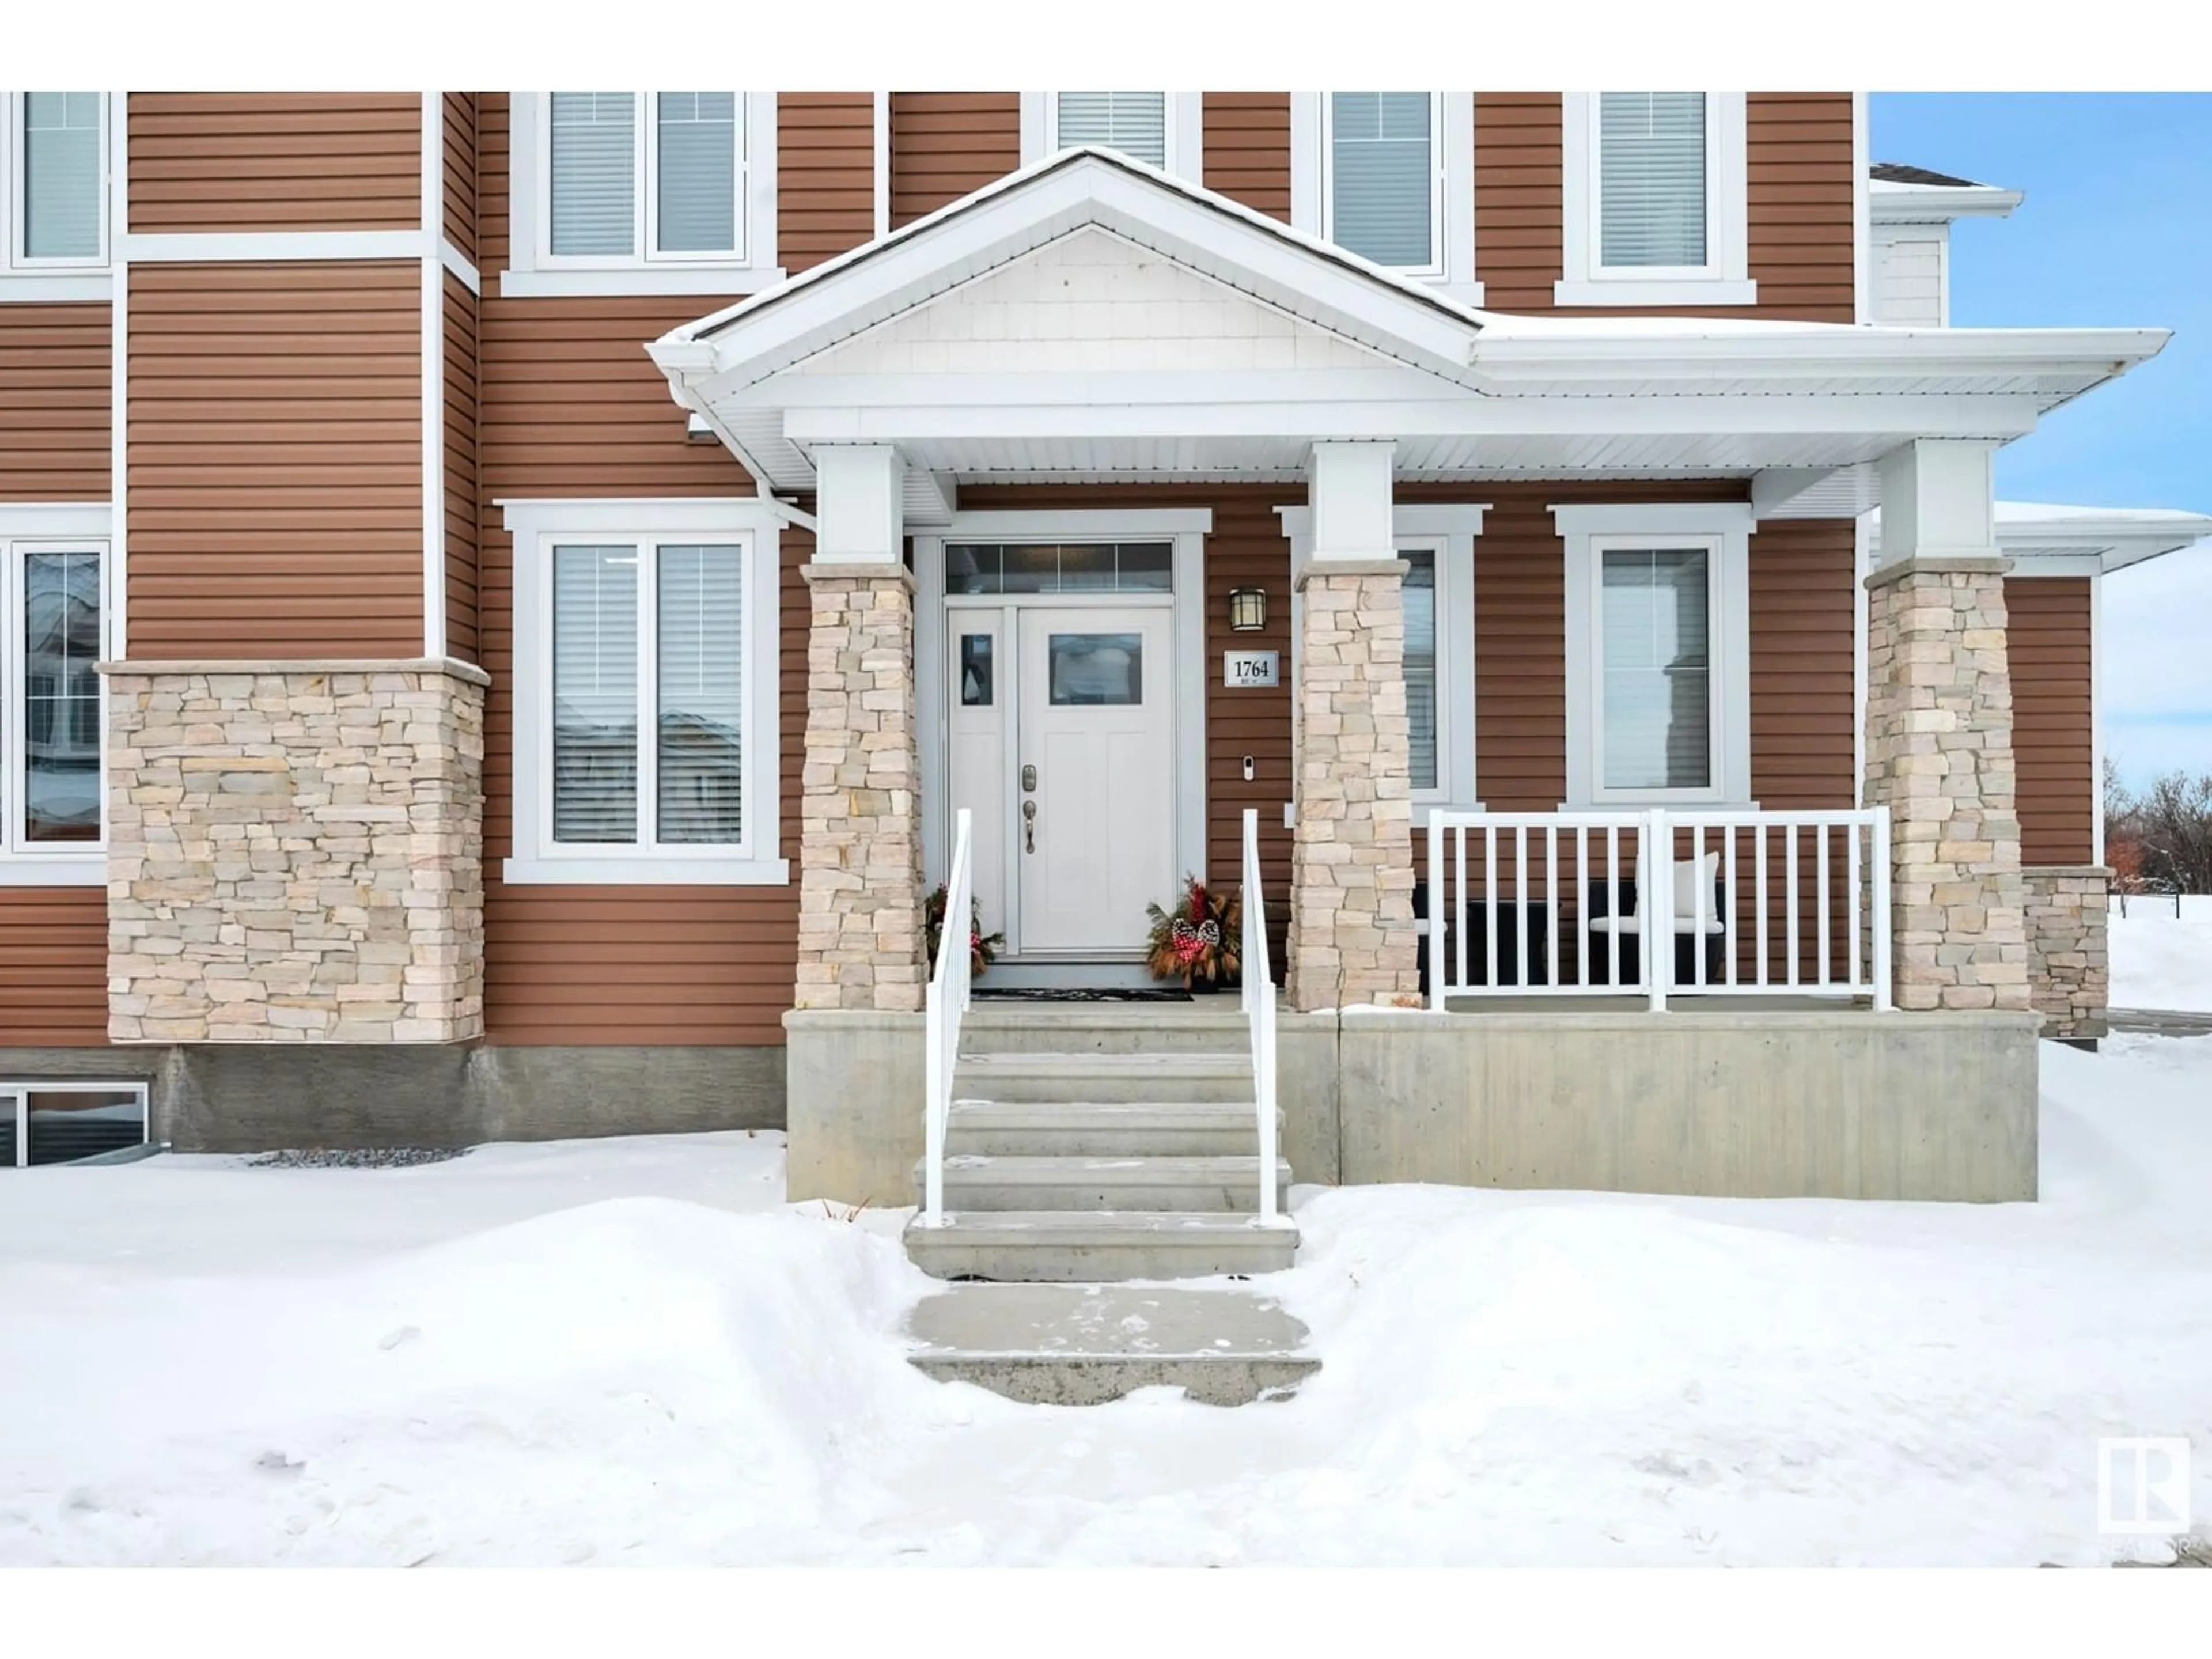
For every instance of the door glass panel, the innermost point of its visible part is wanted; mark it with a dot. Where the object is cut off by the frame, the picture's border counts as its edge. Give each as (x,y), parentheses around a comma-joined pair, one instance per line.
(1098,668)
(67,1125)
(974,671)
(1420,589)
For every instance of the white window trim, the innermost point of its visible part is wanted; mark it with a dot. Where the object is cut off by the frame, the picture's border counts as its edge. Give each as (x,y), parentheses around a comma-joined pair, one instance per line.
(69,529)
(16,1105)
(1186,131)
(1723,530)
(26,279)
(1450,530)
(537,525)
(533,270)
(1453,224)
(1725,278)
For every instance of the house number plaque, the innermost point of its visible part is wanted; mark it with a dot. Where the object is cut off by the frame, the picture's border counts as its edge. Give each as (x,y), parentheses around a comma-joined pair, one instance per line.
(1251,668)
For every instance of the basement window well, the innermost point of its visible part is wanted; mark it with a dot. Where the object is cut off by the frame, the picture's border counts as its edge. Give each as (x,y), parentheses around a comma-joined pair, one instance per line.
(68,1122)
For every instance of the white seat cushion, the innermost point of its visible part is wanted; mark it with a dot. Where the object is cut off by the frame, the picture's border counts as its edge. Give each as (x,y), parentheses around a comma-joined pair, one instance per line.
(1635,925)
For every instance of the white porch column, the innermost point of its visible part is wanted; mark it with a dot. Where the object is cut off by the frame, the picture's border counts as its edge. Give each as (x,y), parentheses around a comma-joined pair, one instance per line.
(1939,749)
(1351,854)
(859,903)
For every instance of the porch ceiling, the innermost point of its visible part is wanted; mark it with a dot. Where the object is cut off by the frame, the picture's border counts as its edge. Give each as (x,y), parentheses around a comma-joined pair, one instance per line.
(1091,318)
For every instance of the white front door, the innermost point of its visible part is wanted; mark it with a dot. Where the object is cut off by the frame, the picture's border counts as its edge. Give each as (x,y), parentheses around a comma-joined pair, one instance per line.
(1093,777)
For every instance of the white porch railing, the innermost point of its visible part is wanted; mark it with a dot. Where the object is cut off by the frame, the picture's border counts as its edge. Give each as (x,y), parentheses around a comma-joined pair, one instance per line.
(1792,904)
(1260,1010)
(947,1003)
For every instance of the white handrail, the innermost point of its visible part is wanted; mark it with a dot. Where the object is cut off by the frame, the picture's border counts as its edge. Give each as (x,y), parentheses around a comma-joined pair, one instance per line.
(947,1002)
(1809,916)
(1259,1012)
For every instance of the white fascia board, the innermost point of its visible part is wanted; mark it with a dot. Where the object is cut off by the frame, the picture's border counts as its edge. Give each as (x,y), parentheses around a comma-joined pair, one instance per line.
(1892,203)
(1220,238)
(1830,351)
(943,410)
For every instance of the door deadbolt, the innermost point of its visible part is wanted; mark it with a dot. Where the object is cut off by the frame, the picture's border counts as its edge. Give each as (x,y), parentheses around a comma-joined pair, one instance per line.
(1028,780)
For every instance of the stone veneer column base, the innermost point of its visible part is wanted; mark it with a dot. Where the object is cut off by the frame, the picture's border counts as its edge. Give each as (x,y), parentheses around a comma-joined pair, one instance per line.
(2070,974)
(860,891)
(1351,937)
(296,851)
(1939,755)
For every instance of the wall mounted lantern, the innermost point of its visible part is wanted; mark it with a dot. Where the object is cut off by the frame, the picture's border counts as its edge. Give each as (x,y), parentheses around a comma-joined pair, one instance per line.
(1248,610)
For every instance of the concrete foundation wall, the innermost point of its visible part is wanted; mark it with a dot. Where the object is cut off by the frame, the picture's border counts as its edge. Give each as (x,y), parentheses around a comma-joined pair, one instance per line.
(1848,1104)
(216,1097)
(855,1080)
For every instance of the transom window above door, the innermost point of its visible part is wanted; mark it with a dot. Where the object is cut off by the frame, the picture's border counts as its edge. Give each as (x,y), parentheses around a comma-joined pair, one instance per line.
(1390,177)
(1059,567)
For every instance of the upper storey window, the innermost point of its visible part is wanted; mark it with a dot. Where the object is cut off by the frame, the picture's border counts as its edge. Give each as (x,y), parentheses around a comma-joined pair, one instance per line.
(54,147)
(1390,176)
(644,193)
(1656,198)
(1160,128)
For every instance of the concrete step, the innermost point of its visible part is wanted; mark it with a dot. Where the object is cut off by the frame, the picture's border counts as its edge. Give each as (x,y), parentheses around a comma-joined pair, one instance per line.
(1098,1128)
(1202,1185)
(1059,1076)
(1216,1025)
(1064,1247)
(1081,1345)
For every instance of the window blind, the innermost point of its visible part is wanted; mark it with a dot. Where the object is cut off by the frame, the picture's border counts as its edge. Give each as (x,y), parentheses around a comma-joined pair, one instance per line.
(697,172)
(63,196)
(595,642)
(1382,155)
(1651,184)
(62,774)
(594,173)
(1654,622)
(1134,123)
(701,738)
(1420,588)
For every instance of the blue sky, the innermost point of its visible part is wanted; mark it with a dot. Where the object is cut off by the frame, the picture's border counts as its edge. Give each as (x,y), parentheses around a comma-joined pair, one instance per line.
(2117,229)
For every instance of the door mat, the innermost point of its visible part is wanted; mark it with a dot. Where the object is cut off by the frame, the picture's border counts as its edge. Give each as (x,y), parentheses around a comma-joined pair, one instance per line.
(1102,993)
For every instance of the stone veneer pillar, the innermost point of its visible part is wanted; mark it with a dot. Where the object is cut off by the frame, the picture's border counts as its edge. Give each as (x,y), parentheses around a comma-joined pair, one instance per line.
(1939,755)
(2069,975)
(296,851)
(1351,937)
(859,896)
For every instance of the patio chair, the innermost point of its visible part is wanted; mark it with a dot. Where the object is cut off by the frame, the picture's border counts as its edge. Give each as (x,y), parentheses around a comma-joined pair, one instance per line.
(1611,910)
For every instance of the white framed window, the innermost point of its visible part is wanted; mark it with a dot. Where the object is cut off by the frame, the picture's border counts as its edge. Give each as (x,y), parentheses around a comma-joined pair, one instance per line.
(1656,200)
(1436,594)
(56,621)
(56,1121)
(642,192)
(1658,653)
(1163,130)
(54,153)
(1390,176)
(646,674)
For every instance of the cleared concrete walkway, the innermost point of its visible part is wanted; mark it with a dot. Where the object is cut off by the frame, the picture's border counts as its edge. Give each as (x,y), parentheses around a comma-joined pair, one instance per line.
(2159,1022)
(1081,1345)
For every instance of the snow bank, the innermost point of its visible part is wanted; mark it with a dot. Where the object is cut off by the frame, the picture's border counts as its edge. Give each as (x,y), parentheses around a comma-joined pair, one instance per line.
(631,1350)
(2160,960)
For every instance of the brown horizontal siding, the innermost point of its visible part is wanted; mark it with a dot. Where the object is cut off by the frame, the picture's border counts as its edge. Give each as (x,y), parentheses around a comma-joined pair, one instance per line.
(54,408)
(1799,171)
(825,175)
(1803,624)
(275,456)
(459,441)
(53,967)
(251,160)
(2053,742)
(1248,149)
(461,171)
(944,144)
(494,152)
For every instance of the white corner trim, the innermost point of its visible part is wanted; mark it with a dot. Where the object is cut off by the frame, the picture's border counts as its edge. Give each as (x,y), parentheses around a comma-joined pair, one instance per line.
(1861,565)
(2096,717)
(218,247)
(1185,132)
(882,164)
(434,375)
(118,373)
(1862,217)
(1723,280)
(1588,532)
(536,526)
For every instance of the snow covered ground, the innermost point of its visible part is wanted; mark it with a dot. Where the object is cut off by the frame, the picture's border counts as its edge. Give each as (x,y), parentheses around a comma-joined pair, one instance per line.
(2160,960)
(631,1351)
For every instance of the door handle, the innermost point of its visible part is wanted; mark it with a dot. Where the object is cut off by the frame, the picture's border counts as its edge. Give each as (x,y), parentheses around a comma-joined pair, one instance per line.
(1029,823)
